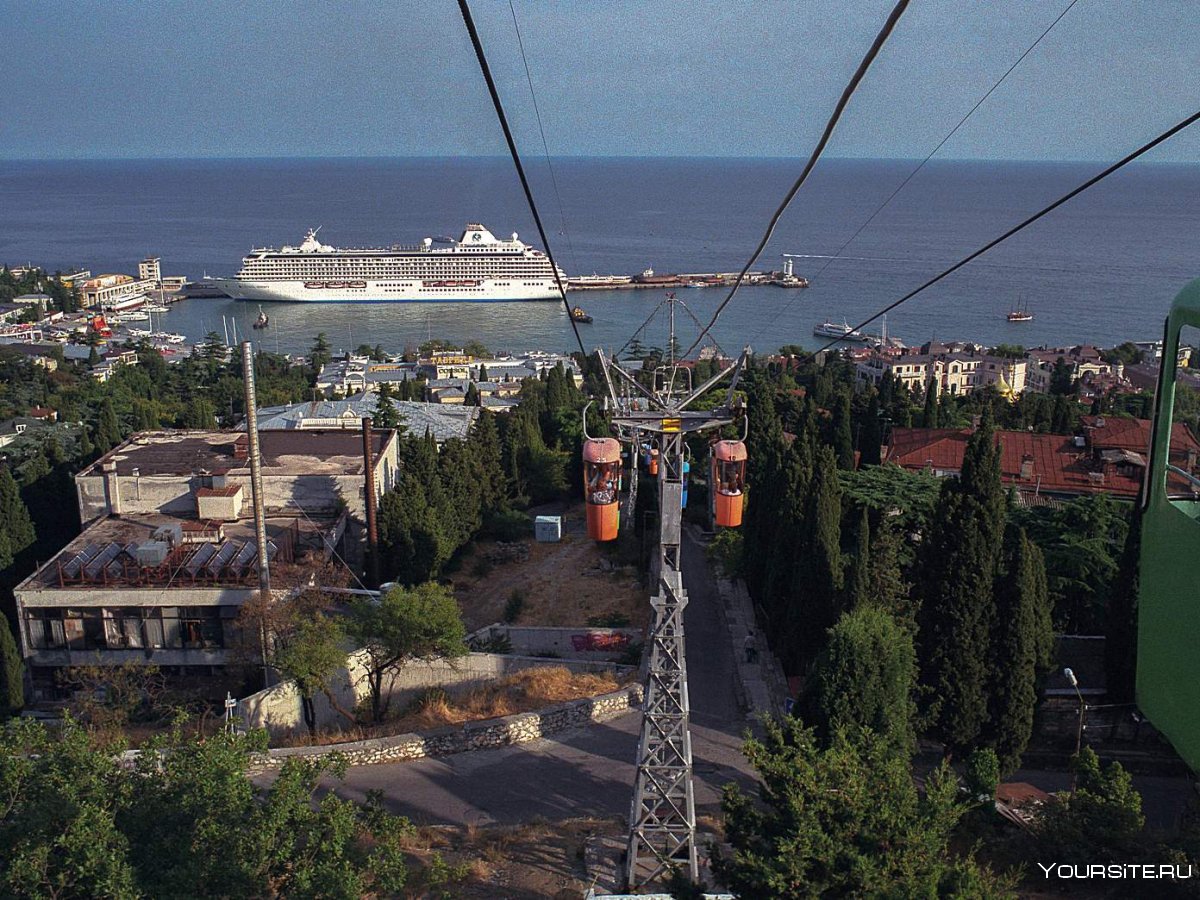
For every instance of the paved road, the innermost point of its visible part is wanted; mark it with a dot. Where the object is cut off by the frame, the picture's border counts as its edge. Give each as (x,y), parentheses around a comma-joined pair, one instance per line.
(587,771)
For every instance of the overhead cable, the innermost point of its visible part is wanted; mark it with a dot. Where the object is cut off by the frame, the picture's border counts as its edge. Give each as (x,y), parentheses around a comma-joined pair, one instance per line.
(932,153)
(1095,179)
(562,216)
(872,53)
(465,9)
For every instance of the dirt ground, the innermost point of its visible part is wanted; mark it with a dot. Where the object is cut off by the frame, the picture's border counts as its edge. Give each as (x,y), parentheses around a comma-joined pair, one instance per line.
(539,860)
(563,584)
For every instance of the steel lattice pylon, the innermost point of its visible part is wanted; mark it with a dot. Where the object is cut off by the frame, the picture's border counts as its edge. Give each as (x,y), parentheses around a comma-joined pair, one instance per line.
(662,822)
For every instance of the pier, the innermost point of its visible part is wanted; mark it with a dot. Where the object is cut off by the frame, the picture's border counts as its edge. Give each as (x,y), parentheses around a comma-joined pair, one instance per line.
(648,279)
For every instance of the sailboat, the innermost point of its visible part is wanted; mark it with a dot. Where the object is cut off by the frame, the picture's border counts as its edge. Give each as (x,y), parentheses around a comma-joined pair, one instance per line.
(1020,313)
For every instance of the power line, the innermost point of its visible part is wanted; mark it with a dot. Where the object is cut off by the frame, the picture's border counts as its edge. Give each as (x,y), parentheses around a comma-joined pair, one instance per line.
(562,216)
(932,153)
(465,9)
(876,47)
(1095,179)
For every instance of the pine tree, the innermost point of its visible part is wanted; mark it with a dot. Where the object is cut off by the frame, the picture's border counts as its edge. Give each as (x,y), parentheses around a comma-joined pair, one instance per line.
(860,583)
(1016,645)
(472,396)
(865,677)
(12,673)
(930,417)
(957,562)
(15,522)
(843,440)
(319,355)
(870,440)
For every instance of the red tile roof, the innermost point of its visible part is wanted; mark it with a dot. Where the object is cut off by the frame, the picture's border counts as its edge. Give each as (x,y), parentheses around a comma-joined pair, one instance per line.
(1059,465)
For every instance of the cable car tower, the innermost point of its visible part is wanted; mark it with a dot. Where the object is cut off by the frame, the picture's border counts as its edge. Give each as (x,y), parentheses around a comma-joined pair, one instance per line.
(662,823)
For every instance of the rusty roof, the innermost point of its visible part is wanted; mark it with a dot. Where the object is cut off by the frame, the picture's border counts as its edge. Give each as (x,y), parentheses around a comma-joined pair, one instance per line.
(284,452)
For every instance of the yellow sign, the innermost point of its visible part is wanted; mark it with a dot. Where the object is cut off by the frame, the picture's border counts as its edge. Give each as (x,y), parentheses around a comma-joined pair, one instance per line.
(672,425)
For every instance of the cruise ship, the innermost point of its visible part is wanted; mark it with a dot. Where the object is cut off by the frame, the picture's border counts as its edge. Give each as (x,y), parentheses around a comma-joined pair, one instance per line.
(477,267)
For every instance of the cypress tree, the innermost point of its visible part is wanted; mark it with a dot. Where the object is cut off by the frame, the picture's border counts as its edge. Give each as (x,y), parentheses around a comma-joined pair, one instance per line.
(822,585)
(108,428)
(385,415)
(865,677)
(1120,645)
(843,441)
(871,437)
(930,417)
(15,522)
(860,583)
(484,441)
(1016,644)
(12,673)
(472,396)
(958,562)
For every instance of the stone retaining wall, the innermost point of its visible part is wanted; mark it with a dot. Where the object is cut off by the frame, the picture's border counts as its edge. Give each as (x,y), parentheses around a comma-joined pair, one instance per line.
(481,735)
(583,642)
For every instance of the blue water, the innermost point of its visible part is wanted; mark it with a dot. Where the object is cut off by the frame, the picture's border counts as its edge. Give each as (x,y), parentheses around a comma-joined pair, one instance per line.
(1102,269)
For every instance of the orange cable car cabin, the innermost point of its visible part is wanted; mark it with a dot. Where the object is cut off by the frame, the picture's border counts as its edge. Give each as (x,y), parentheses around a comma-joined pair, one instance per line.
(601,484)
(728,482)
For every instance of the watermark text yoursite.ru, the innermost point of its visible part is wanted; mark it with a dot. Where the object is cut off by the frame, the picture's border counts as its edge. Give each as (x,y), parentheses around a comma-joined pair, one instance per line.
(1117,870)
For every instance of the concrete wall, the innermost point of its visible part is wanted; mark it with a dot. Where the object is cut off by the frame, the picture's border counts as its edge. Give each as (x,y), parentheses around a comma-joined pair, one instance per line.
(567,643)
(278,708)
(483,735)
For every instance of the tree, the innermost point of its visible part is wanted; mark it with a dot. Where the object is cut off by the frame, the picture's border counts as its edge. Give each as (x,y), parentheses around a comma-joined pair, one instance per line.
(405,623)
(957,562)
(319,354)
(864,680)
(385,415)
(94,357)
(483,372)
(860,582)
(843,821)
(843,440)
(1061,382)
(108,428)
(484,442)
(12,673)
(822,585)
(870,440)
(310,655)
(1021,644)
(199,414)
(930,417)
(1100,821)
(472,396)
(15,523)
(1120,645)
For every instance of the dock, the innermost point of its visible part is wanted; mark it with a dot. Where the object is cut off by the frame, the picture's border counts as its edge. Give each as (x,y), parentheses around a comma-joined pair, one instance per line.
(648,280)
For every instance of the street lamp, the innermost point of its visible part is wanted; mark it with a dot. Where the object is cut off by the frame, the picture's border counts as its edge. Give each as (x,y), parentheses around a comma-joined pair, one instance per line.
(1074,682)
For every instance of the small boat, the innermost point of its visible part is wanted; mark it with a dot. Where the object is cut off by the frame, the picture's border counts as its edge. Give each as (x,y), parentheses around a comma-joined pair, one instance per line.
(263,319)
(154,308)
(578,315)
(1020,313)
(841,332)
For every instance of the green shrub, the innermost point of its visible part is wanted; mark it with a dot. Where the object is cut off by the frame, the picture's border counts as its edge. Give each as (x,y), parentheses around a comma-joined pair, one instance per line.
(512,609)
(508,525)
(609,620)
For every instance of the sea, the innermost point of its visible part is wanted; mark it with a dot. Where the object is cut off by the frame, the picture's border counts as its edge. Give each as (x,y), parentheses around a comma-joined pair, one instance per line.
(1102,269)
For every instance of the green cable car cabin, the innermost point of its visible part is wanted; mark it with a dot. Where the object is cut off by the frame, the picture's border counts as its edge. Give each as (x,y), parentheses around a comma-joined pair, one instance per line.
(1168,640)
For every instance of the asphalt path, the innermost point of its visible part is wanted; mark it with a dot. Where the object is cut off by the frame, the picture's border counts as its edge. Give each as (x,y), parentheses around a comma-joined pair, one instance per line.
(585,771)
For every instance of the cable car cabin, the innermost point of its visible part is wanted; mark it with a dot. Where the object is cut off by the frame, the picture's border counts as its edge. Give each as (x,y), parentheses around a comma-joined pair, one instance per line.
(728,481)
(652,462)
(1168,627)
(687,468)
(601,483)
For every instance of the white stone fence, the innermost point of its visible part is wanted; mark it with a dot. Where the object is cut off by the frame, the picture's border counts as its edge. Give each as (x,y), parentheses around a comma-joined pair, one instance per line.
(481,735)
(278,708)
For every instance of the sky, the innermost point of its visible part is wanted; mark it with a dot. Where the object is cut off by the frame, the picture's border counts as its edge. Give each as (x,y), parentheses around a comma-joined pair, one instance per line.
(229,78)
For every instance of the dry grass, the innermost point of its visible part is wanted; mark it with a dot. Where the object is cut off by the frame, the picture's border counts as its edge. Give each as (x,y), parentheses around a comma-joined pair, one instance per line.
(564,584)
(524,691)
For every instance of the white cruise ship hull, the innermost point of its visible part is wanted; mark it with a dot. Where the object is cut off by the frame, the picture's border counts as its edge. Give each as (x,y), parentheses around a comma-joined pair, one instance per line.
(447,291)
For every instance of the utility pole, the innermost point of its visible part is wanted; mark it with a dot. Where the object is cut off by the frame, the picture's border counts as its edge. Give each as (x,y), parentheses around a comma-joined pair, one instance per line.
(256,495)
(662,822)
